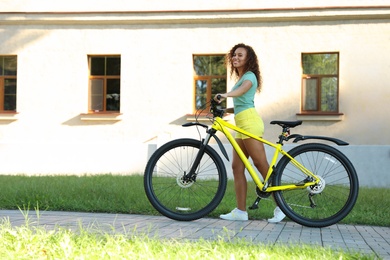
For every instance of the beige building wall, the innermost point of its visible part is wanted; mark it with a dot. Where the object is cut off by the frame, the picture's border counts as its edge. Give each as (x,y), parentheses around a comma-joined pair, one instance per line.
(52,132)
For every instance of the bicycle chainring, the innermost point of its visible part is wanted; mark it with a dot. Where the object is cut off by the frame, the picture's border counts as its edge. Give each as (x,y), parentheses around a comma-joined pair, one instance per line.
(262,194)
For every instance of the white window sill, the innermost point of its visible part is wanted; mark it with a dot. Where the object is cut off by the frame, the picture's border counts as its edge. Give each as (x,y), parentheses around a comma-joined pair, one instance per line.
(8,116)
(326,117)
(200,119)
(101,117)
(203,118)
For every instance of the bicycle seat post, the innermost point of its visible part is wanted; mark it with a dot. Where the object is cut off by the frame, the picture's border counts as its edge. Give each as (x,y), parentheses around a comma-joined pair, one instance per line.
(286,125)
(283,136)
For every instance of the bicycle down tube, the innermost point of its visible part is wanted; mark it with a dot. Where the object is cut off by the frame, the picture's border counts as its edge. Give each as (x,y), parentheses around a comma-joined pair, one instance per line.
(221,125)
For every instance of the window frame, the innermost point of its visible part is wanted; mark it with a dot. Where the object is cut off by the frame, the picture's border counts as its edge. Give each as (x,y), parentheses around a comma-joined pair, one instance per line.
(319,78)
(209,79)
(104,78)
(3,78)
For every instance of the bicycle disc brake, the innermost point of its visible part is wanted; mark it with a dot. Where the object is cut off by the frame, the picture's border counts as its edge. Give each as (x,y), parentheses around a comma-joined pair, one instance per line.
(184,182)
(317,188)
(314,190)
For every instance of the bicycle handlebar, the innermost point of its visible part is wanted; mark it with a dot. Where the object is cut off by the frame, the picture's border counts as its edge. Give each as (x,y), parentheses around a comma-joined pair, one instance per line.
(217,112)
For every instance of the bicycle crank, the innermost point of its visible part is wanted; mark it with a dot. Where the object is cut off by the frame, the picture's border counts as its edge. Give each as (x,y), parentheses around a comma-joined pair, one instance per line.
(260,195)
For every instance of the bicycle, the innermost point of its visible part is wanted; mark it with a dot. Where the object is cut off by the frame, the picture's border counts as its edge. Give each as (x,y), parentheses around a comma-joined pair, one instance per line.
(314,184)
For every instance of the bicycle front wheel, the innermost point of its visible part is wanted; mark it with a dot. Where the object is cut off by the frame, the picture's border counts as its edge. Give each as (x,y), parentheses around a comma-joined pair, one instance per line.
(179,198)
(319,205)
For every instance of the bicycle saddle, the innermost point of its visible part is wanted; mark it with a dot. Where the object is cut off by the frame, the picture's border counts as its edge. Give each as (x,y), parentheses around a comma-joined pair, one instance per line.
(285,124)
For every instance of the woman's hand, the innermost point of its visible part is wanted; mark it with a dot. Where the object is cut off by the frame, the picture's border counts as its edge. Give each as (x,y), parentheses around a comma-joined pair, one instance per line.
(220,97)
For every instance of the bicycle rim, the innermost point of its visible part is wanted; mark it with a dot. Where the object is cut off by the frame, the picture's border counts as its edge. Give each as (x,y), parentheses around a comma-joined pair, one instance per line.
(324,204)
(184,200)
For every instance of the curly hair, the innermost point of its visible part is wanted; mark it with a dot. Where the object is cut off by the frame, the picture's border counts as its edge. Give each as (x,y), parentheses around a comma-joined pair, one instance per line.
(251,65)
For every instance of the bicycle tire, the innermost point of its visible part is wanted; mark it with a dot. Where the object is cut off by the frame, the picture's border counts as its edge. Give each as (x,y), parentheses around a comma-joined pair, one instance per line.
(176,199)
(334,198)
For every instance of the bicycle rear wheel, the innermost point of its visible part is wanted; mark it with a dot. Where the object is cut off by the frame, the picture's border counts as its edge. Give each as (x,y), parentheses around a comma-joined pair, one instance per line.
(326,203)
(184,200)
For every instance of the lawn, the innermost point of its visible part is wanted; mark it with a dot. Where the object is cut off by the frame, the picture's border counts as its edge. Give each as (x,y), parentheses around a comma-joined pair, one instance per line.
(125,194)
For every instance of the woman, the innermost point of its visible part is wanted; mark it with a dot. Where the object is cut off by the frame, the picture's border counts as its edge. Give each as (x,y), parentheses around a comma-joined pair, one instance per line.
(244,65)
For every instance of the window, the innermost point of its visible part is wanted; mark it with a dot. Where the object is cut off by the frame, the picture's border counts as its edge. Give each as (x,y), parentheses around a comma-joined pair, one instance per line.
(8,66)
(209,78)
(104,83)
(320,83)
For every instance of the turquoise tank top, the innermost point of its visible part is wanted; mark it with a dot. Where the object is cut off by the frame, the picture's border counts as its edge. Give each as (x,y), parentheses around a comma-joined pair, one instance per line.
(247,100)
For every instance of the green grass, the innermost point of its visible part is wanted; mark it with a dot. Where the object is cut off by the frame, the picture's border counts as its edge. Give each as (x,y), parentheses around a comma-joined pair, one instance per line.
(125,194)
(98,193)
(30,242)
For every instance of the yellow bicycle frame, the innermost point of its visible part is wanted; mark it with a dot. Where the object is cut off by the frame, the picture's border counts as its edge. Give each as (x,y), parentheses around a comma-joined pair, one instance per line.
(221,125)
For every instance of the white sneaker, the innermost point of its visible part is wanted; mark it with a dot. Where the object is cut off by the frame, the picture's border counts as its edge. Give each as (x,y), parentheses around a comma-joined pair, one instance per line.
(278,216)
(236,214)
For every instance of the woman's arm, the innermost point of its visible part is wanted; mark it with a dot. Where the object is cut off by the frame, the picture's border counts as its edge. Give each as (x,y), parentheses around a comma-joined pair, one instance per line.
(241,90)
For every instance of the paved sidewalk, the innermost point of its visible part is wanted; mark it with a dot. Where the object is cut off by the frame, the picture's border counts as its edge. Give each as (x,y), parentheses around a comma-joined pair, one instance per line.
(366,239)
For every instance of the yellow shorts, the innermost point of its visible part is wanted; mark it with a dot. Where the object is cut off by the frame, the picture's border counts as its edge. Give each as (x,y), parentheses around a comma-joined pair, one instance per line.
(250,121)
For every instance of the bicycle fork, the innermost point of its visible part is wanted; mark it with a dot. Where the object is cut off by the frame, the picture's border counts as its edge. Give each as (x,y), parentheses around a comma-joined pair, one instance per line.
(191,175)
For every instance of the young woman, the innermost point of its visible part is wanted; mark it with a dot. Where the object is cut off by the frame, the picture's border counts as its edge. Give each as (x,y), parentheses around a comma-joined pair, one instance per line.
(244,65)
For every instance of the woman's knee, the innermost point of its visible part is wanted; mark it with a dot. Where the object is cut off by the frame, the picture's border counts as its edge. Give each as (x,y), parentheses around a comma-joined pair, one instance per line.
(238,168)
(261,164)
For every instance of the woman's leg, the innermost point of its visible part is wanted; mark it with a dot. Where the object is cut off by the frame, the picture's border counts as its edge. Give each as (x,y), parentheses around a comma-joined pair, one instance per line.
(256,151)
(240,182)
(240,187)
